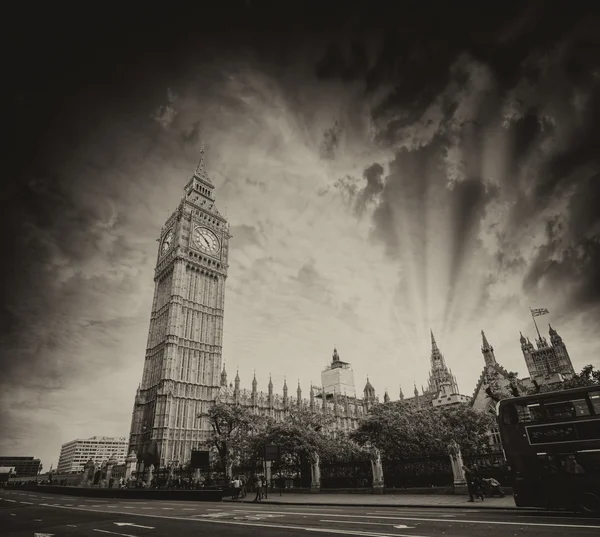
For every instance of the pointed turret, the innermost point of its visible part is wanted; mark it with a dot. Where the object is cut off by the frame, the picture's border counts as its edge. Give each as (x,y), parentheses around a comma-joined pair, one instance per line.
(434,346)
(200,171)
(200,185)
(401,394)
(312,397)
(285,391)
(224,377)
(299,394)
(254,383)
(270,386)
(237,381)
(488,351)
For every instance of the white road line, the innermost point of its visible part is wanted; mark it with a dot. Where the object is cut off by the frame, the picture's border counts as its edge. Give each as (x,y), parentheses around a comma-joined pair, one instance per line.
(28,503)
(147,507)
(37,519)
(374,524)
(497,522)
(128,507)
(71,525)
(168,508)
(115,533)
(111,506)
(366,533)
(12,501)
(12,514)
(281,526)
(189,509)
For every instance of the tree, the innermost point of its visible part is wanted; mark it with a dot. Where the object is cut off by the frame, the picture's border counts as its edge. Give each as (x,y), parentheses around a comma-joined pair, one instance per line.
(400,431)
(300,435)
(233,433)
(589,376)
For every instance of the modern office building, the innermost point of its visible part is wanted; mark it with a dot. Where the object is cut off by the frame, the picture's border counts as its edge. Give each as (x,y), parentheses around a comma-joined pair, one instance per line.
(74,454)
(24,466)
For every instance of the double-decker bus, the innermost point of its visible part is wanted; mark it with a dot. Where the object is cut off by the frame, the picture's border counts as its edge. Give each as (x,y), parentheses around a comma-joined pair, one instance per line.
(552,445)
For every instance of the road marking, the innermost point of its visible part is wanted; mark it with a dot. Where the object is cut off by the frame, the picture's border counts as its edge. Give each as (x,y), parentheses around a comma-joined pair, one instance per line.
(43,534)
(189,509)
(71,525)
(28,503)
(128,507)
(398,526)
(147,507)
(365,533)
(12,514)
(37,519)
(282,526)
(12,501)
(167,508)
(418,519)
(133,525)
(115,533)
(107,505)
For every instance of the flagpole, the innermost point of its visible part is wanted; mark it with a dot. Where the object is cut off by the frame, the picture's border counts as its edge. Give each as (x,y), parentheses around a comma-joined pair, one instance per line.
(536,326)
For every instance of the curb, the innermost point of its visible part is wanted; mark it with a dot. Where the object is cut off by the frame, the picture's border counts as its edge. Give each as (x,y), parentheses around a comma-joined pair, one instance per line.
(388,505)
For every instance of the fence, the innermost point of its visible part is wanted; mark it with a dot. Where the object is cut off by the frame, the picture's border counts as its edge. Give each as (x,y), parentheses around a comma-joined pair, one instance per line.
(432,471)
(355,474)
(436,470)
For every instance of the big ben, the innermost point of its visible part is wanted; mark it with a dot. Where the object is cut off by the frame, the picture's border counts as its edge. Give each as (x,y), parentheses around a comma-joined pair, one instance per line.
(183,355)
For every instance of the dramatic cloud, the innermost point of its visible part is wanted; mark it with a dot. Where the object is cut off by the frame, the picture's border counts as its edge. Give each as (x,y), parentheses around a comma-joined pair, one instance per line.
(382,175)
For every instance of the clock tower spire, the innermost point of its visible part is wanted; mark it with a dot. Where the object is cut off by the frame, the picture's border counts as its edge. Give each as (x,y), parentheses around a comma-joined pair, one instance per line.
(182,367)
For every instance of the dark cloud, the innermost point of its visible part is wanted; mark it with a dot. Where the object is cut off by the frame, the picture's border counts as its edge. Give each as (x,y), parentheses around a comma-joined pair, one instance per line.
(331,141)
(374,177)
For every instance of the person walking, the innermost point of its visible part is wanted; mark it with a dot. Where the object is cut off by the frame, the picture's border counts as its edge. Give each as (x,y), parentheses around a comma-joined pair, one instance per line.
(469,480)
(258,484)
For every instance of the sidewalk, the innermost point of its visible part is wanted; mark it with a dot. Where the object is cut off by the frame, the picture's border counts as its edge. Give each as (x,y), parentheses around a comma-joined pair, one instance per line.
(382,500)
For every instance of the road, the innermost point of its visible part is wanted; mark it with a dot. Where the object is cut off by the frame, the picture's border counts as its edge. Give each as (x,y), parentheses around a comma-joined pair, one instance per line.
(25,513)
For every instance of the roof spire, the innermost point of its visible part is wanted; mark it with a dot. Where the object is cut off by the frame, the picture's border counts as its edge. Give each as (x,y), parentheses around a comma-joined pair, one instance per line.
(434,346)
(486,345)
(201,170)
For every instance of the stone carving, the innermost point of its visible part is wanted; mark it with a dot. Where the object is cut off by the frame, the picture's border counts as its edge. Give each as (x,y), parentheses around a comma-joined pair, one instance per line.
(88,473)
(457,463)
(315,472)
(377,469)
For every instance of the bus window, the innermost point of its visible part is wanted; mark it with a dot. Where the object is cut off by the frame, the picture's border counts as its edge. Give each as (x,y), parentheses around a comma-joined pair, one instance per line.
(509,415)
(561,410)
(595,399)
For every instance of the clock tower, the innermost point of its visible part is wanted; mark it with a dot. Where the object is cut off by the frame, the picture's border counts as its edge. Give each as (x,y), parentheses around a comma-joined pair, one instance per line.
(182,366)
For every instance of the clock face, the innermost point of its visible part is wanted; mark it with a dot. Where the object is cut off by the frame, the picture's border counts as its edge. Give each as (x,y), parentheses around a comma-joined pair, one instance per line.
(206,240)
(167,241)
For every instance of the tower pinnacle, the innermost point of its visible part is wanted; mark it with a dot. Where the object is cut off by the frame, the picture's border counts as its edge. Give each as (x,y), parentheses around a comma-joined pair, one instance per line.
(434,346)
(200,172)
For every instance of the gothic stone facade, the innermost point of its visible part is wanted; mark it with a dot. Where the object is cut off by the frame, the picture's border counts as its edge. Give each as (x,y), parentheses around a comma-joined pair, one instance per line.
(183,355)
(332,398)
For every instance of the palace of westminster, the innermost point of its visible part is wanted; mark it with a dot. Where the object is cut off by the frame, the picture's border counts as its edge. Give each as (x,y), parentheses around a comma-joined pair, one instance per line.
(183,374)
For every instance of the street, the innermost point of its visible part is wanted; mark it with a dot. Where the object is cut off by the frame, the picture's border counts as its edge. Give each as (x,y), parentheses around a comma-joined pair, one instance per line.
(27,514)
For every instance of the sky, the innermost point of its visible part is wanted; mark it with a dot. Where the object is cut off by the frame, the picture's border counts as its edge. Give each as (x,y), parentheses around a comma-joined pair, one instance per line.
(384,173)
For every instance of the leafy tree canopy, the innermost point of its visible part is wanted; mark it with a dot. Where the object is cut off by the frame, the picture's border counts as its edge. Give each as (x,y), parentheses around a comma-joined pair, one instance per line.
(400,431)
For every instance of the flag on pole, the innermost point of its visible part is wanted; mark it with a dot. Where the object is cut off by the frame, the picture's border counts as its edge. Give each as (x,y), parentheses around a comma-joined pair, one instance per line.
(539,311)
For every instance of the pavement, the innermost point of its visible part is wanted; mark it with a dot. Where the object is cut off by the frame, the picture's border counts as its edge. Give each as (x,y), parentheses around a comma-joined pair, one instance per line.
(382,500)
(35,514)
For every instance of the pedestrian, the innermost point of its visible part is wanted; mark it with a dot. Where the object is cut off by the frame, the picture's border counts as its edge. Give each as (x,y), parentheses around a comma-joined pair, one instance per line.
(258,485)
(469,480)
(236,487)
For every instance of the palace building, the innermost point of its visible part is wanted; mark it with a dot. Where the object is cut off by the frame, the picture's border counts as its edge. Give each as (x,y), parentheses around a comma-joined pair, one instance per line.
(184,376)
